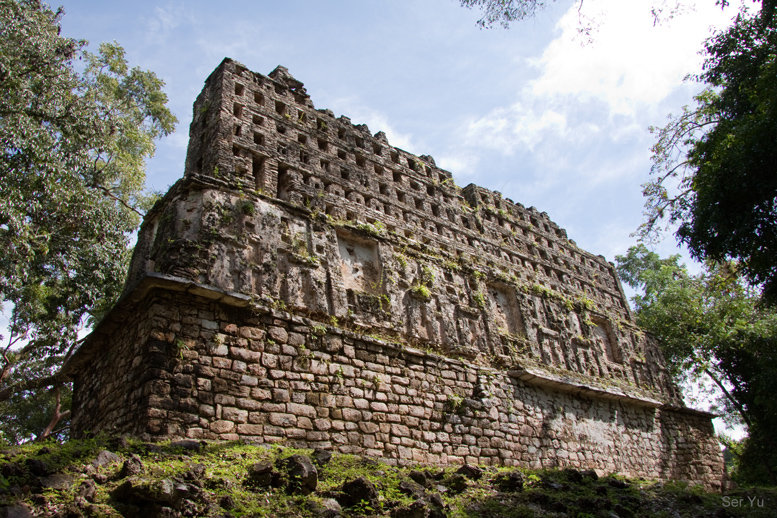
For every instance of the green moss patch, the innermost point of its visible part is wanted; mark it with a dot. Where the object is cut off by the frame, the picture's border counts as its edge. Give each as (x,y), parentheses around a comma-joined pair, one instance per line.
(104,477)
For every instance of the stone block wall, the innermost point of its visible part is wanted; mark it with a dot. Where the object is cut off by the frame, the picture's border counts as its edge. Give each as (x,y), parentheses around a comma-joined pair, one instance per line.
(262,133)
(307,282)
(208,369)
(493,313)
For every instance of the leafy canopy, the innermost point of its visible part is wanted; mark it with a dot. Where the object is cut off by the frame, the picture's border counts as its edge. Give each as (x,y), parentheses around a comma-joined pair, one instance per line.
(713,324)
(73,146)
(715,165)
(505,12)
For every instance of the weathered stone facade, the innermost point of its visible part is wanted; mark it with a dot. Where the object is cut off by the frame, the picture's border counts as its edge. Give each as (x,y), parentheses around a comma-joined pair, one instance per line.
(307,282)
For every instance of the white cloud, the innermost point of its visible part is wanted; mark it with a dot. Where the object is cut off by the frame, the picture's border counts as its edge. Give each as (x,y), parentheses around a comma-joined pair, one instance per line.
(609,84)
(376,121)
(520,125)
(165,20)
(462,165)
(630,62)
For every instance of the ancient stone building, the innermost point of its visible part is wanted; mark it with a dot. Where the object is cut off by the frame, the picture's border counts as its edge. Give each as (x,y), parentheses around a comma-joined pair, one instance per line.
(306,282)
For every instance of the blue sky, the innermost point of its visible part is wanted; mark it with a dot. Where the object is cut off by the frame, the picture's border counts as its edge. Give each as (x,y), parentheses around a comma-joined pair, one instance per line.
(532,111)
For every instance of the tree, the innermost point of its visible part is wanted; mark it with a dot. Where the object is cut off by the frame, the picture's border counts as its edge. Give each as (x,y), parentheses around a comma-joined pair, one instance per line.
(505,12)
(713,325)
(715,165)
(72,172)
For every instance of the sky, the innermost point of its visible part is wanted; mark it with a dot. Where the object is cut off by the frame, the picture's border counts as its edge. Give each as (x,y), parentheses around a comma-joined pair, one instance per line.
(546,115)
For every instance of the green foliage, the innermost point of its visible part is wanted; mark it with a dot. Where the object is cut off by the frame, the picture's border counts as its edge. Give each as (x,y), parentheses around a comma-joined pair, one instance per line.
(454,403)
(715,165)
(27,413)
(586,303)
(385,302)
(247,208)
(181,347)
(541,290)
(421,291)
(72,171)
(451,265)
(503,12)
(376,228)
(479,299)
(712,324)
(299,246)
(421,288)
(427,275)
(449,182)
(226,467)
(278,304)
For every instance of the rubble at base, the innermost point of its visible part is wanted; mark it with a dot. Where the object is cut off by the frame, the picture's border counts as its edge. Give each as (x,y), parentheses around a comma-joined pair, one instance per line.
(234,479)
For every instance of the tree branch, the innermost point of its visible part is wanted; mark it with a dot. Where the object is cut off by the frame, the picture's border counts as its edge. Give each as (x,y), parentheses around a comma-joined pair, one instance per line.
(671,172)
(731,398)
(113,196)
(70,349)
(31,384)
(12,339)
(57,417)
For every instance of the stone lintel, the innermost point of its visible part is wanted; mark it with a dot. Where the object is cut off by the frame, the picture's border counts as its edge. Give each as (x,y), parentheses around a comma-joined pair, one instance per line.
(541,378)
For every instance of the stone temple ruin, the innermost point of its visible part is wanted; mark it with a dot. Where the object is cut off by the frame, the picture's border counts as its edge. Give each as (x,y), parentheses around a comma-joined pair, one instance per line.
(305,282)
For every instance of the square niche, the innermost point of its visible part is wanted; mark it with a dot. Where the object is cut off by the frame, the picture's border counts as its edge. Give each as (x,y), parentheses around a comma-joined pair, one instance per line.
(504,309)
(360,266)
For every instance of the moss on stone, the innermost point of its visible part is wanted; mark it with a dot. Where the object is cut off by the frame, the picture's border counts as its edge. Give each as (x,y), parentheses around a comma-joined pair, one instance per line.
(189,478)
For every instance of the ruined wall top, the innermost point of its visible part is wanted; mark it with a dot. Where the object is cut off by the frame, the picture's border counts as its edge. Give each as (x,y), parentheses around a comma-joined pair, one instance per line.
(311,214)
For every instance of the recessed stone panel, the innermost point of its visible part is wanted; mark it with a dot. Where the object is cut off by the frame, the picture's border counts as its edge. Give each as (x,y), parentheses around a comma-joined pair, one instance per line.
(359,264)
(504,310)
(603,336)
